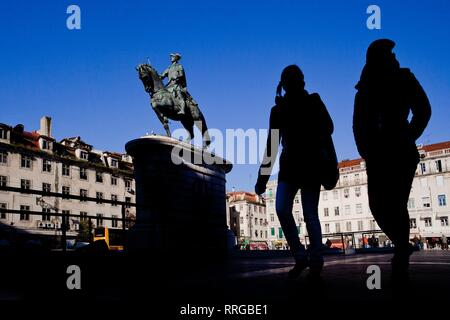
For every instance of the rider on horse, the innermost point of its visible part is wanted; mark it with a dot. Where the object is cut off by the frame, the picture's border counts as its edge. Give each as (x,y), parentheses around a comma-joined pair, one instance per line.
(177,83)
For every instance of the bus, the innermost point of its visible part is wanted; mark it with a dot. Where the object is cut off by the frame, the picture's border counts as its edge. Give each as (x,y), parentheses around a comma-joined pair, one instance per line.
(114,238)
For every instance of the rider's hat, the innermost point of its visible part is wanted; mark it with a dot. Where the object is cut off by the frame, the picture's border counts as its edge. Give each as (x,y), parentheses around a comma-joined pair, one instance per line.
(176,55)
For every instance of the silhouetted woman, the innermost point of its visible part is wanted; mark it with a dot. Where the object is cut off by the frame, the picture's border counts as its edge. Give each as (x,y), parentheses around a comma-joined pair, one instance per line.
(303,123)
(386,139)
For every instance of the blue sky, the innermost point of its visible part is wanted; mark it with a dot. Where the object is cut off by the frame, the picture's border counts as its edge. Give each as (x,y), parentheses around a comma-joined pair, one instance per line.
(233,53)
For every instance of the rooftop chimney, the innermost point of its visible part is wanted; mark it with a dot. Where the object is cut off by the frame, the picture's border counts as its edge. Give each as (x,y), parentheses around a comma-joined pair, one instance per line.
(46,126)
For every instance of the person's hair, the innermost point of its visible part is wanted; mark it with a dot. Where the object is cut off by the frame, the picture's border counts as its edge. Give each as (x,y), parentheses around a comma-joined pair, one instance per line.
(290,72)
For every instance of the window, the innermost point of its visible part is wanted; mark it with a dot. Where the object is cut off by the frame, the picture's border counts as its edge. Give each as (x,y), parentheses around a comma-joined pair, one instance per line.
(325,196)
(346,193)
(99,196)
(347,210)
(84,155)
(113,181)
(46,214)
(373,225)
(2,214)
(46,145)
(99,219)
(3,133)
(444,221)
(411,203)
(265,233)
(114,163)
(114,223)
(83,174)
(65,191)
(348,226)
(335,194)
(25,184)
(357,191)
(357,180)
(66,170)
(337,225)
(256,221)
(241,220)
(359,208)
(114,198)
(423,168)
(83,194)
(280,233)
(242,233)
(46,187)
(426,202)
(438,164)
(127,183)
(272,218)
(327,228)
(272,231)
(326,212)
(24,215)
(98,177)
(261,221)
(412,223)
(46,165)
(83,216)
(3,181)
(345,180)
(25,162)
(127,200)
(296,199)
(428,222)
(360,225)
(3,157)
(336,211)
(442,200)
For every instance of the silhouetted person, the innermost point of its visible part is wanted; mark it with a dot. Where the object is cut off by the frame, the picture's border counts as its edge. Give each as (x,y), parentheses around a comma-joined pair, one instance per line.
(387,141)
(303,122)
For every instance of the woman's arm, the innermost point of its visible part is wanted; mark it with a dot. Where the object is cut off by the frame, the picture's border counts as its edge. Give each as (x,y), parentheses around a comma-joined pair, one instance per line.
(270,154)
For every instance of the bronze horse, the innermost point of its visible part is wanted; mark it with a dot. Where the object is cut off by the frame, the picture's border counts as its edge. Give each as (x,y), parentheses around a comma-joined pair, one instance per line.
(165,106)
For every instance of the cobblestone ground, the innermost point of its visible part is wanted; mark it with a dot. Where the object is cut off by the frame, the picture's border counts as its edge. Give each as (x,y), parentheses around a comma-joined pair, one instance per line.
(166,285)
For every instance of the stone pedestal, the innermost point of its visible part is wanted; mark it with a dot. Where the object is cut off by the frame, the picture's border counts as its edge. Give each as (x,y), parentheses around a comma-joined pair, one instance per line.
(180,198)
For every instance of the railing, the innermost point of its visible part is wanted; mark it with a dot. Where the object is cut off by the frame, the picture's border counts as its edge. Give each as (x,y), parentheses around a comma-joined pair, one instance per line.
(65,216)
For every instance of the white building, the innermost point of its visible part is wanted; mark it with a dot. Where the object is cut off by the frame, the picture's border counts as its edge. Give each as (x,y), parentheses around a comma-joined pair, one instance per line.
(247,218)
(35,160)
(346,208)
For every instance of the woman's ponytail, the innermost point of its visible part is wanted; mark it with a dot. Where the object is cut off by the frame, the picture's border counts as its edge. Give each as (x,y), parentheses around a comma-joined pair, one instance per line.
(279,87)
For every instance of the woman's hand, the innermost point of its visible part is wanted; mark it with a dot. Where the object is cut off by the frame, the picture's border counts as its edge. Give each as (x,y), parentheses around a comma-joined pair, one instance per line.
(260,188)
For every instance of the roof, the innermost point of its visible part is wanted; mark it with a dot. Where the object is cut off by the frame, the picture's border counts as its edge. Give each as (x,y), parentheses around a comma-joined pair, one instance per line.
(30,141)
(245,196)
(350,163)
(436,146)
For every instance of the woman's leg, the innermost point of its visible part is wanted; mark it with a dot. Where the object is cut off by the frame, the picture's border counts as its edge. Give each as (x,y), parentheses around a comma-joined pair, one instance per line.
(284,202)
(310,202)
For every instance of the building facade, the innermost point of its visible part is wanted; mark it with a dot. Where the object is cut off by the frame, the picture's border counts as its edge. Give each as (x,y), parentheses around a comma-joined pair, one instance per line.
(35,160)
(247,218)
(346,208)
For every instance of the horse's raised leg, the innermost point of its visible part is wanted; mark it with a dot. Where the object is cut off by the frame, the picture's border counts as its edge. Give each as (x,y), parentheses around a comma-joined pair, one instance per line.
(164,121)
(189,126)
(200,123)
